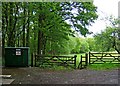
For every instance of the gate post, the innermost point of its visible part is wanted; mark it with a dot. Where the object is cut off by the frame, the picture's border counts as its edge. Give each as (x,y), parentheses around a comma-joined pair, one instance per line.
(86,57)
(75,61)
(32,56)
(81,62)
(35,60)
(89,57)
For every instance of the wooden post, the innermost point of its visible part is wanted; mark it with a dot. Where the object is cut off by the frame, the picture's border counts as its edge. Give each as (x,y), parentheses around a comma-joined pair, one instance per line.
(35,60)
(32,60)
(75,61)
(89,57)
(81,62)
(86,56)
(32,56)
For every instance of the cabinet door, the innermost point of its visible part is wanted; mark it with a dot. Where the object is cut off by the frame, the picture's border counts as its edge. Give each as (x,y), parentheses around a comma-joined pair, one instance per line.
(19,57)
(25,57)
(10,57)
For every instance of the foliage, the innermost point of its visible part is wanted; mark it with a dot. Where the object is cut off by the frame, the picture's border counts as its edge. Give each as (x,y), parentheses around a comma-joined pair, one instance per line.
(61,47)
(109,39)
(81,45)
(80,15)
(115,23)
(84,46)
(35,25)
(104,40)
(77,45)
(91,44)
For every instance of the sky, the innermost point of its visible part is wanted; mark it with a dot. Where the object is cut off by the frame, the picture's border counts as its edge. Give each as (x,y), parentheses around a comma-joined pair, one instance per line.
(104,9)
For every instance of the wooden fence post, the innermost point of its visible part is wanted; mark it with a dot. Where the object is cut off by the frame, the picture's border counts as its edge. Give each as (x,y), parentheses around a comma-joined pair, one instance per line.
(35,60)
(86,56)
(81,62)
(89,57)
(75,60)
(32,59)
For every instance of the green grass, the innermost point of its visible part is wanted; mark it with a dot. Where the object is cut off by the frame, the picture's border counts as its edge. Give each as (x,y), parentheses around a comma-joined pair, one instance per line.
(55,67)
(78,58)
(104,66)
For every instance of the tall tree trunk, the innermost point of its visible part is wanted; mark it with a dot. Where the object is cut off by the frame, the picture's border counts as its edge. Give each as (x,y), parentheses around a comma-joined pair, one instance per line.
(24,25)
(35,38)
(18,42)
(28,29)
(11,34)
(15,22)
(44,45)
(40,42)
(3,37)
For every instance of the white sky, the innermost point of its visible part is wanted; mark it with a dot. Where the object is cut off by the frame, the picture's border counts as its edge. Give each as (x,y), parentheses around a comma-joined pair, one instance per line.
(105,9)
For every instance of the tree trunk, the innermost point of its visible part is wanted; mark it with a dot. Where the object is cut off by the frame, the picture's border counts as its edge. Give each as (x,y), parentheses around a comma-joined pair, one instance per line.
(24,26)
(3,38)
(28,30)
(11,34)
(40,36)
(44,45)
(40,42)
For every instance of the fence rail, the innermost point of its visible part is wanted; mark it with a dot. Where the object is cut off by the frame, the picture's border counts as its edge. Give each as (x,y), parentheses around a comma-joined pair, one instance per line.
(66,61)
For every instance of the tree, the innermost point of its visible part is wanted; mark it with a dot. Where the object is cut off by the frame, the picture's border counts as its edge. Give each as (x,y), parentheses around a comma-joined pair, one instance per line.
(80,14)
(105,41)
(77,44)
(48,29)
(91,43)
(80,45)
(116,40)
(14,23)
(27,23)
(116,33)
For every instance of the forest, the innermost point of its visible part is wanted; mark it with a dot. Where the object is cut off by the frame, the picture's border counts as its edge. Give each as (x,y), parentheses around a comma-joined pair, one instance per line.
(54,28)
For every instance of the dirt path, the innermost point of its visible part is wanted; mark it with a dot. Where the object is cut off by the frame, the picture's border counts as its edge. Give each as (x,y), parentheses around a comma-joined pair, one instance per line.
(39,76)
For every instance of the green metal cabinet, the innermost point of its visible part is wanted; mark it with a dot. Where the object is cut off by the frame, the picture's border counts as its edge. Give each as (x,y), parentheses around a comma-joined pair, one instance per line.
(17,56)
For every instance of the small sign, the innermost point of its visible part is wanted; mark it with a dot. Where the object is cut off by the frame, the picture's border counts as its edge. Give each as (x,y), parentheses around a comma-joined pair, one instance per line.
(18,51)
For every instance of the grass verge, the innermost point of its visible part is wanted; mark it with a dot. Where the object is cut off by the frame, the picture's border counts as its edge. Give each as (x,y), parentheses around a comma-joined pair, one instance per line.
(55,67)
(105,66)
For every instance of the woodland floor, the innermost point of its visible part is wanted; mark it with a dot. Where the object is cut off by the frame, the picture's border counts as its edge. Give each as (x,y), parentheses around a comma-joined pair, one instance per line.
(35,75)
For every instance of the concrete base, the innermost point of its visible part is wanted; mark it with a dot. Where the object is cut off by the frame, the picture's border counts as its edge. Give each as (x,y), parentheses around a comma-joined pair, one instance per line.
(5,76)
(7,81)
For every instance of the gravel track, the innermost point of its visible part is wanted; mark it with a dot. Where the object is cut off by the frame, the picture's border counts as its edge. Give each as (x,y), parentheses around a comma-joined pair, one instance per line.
(35,75)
